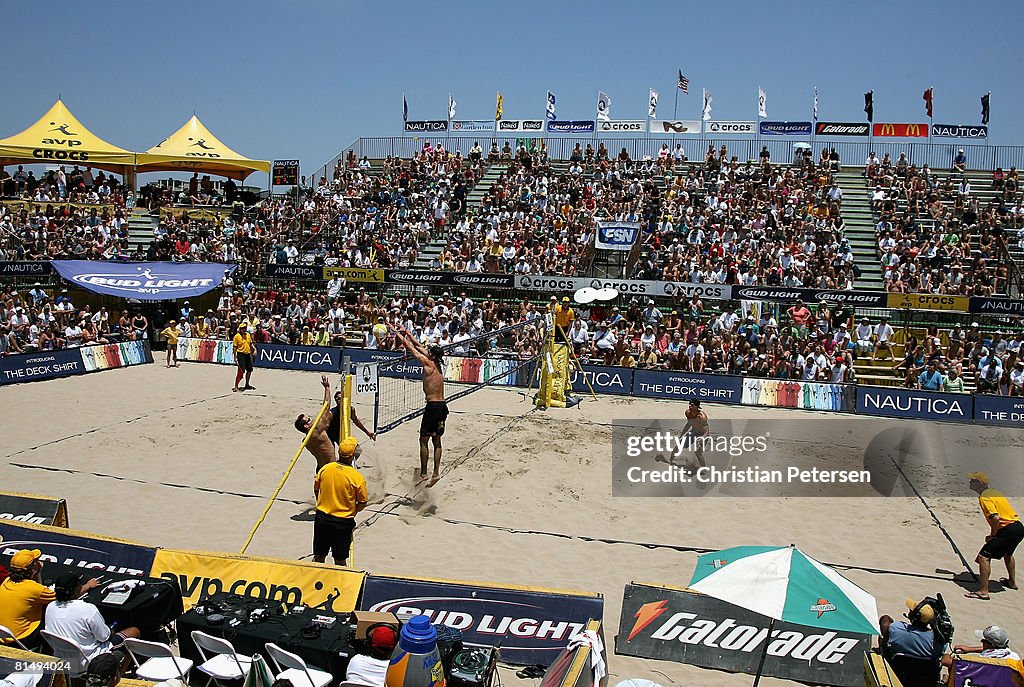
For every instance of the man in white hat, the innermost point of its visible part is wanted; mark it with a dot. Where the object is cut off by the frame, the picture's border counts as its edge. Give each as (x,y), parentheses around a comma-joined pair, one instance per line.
(995,643)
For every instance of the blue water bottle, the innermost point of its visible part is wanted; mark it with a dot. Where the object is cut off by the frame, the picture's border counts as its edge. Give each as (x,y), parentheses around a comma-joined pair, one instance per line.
(416,661)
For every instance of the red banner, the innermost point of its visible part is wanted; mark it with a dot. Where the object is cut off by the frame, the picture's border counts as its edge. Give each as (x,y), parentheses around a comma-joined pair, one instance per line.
(901,130)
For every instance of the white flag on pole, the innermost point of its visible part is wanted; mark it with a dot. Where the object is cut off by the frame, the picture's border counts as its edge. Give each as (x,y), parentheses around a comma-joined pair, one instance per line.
(604,106)
(652,108)
(815,103)
(762,103)
(451,107)
(551,106)
(707,106)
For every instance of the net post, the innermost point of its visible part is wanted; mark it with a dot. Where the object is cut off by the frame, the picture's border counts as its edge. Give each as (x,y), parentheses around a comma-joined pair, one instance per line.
(345,430)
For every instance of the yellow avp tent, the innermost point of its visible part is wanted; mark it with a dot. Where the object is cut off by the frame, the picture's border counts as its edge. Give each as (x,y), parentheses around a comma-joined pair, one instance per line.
(58,137)
(194,148)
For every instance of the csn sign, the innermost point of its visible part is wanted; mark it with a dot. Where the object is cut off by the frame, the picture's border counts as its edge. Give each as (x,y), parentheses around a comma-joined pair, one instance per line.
(616,235)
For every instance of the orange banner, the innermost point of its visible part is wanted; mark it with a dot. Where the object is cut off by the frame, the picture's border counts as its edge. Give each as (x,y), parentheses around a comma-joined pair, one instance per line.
(901,130)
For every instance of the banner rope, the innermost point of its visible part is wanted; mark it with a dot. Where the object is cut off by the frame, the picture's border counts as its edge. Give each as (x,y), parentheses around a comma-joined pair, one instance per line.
(287,473)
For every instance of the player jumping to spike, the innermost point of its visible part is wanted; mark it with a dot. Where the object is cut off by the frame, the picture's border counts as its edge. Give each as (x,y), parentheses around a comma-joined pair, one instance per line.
(436,411)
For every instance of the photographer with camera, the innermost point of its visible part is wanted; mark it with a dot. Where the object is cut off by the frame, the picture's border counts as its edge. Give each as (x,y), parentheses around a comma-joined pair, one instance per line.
(915,649)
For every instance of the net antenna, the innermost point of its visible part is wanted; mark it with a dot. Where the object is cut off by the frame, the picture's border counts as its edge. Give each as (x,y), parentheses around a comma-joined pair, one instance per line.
(399,395)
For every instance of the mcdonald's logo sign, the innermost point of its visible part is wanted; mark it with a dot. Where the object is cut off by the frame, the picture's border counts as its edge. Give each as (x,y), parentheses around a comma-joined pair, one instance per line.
(894,130)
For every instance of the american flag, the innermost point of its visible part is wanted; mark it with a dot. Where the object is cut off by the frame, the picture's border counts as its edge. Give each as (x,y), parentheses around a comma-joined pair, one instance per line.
(684,83)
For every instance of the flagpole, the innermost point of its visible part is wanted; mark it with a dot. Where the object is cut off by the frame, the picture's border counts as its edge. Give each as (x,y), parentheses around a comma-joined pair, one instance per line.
(814,119)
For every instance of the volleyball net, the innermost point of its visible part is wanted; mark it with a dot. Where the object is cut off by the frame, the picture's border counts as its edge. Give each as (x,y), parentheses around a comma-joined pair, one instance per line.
(400,393)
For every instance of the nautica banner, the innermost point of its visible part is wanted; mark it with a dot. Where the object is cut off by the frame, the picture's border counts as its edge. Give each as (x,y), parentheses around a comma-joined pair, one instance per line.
(148,281)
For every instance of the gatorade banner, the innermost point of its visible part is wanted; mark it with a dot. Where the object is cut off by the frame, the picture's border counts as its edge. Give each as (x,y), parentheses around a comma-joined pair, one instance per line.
(74,548)
(686,386)
(673,624)
(201,574)
(33,509)
(914,404)
(530,625)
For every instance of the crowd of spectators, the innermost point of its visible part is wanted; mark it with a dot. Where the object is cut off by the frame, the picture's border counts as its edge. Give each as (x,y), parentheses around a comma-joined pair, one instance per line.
(41,320)
(935,233)
(749,223)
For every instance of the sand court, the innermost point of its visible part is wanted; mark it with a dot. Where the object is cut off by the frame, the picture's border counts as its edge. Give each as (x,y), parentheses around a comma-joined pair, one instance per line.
(171,457)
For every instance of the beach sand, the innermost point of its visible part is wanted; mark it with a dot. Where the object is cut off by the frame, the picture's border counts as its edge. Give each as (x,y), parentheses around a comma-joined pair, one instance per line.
(172,458)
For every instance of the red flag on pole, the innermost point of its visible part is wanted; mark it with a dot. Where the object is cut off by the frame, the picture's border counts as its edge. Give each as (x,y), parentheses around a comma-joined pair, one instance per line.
(928,102)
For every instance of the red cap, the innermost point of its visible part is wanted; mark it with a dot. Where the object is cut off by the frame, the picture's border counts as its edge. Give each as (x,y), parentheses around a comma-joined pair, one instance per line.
(383,638)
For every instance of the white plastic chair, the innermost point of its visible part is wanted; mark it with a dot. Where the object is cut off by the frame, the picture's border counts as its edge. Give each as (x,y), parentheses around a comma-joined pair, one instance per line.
(288,666)
(66,649)
(161,663)
(7,636)
(224,663)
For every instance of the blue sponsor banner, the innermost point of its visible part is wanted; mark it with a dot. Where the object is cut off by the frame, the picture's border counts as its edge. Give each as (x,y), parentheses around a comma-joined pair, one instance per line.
(76,549)
(584,126)
(785,128)
(687,386)
(914,404)
(148,281)
(531,626)
(285,357)
(473,125)
(999,410)
(605,380)
(24,268)
(33,367)
(407,368)
(616,235)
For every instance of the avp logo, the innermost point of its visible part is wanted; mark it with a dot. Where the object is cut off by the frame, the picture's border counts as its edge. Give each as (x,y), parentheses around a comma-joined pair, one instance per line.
(63,128)
(200,143)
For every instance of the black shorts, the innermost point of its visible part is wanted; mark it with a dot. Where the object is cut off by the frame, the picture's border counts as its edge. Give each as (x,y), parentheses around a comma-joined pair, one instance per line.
(332,534)
(434,416)
(244,361)
(1004,542)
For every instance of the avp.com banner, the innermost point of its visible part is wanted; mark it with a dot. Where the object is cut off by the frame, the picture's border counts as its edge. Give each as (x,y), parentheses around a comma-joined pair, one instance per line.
(202,574)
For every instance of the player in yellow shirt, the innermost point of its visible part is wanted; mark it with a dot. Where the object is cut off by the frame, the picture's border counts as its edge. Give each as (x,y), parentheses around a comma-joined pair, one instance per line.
(245,348)
(1006,532)
(171,333)
(563,318)
(340,494)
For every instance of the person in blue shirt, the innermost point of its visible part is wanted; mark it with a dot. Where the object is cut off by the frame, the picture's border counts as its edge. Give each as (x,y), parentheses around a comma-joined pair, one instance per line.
(915,640)
(931,379)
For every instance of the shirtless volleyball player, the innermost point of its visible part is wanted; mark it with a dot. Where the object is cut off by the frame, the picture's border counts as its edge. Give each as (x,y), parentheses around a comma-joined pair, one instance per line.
(436,411)
(696,429)
(319,444)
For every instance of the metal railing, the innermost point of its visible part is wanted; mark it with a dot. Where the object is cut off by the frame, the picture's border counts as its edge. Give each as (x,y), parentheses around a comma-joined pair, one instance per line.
(781,149)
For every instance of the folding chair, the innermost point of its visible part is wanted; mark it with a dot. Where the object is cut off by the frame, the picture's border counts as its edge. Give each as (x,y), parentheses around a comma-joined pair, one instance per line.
(66,649)
(224,663)
(7,636)
(161,663)
(288,666)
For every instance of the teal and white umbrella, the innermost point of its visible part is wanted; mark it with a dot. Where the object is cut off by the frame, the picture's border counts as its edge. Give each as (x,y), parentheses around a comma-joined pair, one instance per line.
(783,583)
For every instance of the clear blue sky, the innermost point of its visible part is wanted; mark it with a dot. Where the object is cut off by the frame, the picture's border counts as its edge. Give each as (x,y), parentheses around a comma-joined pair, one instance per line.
(303,78)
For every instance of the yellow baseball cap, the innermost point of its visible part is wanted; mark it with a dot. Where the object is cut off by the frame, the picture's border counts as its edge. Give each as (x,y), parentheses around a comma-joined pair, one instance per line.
(348,446)
(25,558)
(565,299)
(979,476)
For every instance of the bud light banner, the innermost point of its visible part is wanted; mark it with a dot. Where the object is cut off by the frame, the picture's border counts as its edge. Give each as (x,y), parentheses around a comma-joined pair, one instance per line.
(148,281)
(914,404)
(584,126)
(687,386)
(616,235)
(686,627)
(530,625)
(76,549)
(785,128)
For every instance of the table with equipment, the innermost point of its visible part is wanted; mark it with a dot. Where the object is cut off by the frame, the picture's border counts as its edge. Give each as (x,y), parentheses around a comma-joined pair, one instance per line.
(323,639)
(123,600)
